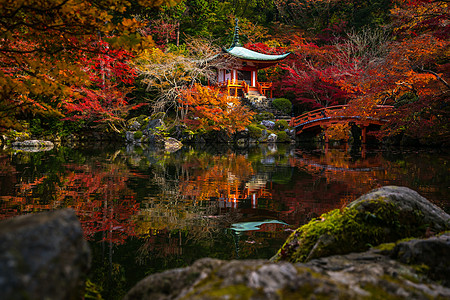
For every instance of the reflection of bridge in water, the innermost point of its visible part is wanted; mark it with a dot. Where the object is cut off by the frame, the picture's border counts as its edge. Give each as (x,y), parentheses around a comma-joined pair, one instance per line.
(339,166)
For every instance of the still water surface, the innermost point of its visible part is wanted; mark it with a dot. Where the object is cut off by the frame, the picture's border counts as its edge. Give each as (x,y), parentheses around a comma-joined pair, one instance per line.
(145,211)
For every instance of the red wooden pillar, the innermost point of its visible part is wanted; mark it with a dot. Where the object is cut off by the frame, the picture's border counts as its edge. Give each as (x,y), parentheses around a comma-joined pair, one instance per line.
(364,134)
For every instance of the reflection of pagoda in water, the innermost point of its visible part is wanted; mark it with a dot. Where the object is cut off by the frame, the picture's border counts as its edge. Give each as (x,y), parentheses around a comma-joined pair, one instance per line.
(254,189)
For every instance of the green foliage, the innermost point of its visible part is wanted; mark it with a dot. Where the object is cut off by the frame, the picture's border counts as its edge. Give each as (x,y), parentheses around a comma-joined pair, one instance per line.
(263,116)
(138,135)
(283,105)
(318,16)
(254,132)
(16,135)
(281,125)
(282,137)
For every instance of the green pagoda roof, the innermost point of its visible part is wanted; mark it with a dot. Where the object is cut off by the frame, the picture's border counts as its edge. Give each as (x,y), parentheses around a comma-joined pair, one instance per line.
(236,49)
(245,53)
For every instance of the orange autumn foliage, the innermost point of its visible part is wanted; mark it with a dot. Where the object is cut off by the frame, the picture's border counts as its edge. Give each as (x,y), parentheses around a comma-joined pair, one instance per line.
(209,110)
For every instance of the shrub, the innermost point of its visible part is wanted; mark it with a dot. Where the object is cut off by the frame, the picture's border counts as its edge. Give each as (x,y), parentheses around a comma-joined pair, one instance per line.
(254,132)
(283,137)
(264,116)
(281,125)
(283,105)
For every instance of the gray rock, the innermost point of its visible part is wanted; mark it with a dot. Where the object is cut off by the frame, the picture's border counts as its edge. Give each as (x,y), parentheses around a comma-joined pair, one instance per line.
(364,275)
(290,132)
(434,253)
(32,145)
(381,216)
(407,202)
(272,138)
(154,124)
(264,133)
(43,256)
(268,124)
(129,137)
(135,126)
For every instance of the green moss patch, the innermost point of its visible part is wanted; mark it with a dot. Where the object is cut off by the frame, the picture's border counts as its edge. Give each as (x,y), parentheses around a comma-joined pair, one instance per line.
(350,230)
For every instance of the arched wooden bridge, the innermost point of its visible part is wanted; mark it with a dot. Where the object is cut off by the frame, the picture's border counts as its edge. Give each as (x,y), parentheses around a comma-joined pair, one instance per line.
(317,120)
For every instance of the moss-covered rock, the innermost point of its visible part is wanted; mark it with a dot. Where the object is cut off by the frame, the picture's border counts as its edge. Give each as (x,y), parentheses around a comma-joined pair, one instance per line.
(381,216)
(367,275)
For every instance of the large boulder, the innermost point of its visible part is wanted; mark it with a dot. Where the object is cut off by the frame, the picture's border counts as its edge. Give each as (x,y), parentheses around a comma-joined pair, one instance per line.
(154,125)
(43,256)
(367,275)
(383,215)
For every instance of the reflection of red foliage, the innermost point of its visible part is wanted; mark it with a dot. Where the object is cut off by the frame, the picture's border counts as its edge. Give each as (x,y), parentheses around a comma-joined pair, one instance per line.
(99,195)
(102,201)
(111,218)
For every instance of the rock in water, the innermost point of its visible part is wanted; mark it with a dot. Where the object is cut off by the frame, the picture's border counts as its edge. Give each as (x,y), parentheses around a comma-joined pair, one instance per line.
(43,256)
(383,215)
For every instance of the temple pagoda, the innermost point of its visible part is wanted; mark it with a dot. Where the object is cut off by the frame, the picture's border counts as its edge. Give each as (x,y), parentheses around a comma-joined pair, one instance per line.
(239,77)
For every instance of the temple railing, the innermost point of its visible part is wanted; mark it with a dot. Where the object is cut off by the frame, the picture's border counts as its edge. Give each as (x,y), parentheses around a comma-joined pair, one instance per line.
(264,88)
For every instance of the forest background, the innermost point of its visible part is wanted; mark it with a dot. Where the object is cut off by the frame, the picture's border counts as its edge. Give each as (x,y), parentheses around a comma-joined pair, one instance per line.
(71,66)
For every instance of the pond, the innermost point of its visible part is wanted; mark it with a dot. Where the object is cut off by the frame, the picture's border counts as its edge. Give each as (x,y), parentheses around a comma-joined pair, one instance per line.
(145,211)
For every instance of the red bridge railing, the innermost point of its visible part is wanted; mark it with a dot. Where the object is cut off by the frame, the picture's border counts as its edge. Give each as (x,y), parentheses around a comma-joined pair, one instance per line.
(332,113)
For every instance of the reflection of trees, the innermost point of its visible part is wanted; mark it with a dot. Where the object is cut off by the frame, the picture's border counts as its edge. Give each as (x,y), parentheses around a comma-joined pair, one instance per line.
(333,178)
(103,202)
(97,191)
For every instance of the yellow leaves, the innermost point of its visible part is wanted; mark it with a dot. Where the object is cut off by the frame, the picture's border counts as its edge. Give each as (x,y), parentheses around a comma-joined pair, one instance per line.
(128,23)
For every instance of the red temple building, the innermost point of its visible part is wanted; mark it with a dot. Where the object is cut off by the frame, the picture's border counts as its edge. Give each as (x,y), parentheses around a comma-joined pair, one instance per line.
(239,77)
